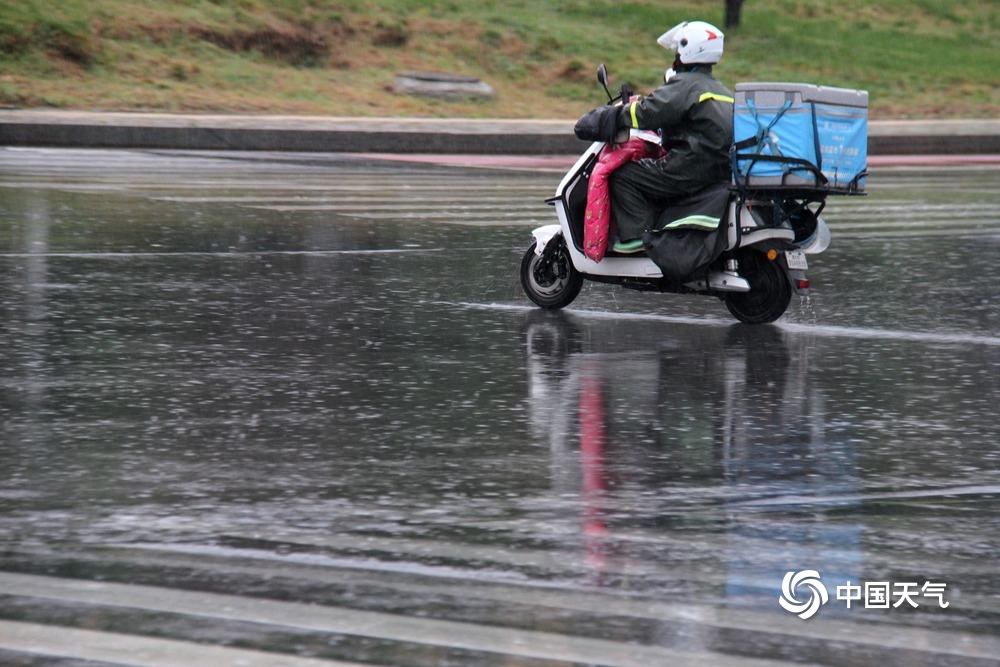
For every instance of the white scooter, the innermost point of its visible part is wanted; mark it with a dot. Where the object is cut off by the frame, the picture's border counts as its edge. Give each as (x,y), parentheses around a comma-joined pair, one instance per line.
(769,232)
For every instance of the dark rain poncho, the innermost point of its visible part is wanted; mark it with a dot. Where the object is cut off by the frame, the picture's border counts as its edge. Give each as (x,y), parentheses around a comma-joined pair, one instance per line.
(694,114)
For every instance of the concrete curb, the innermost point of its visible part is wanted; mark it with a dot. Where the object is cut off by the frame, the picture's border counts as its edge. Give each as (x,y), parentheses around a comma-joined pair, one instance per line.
(73,129)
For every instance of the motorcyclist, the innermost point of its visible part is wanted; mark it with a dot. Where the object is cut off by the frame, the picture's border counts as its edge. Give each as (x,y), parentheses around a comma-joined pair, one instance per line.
(693,113)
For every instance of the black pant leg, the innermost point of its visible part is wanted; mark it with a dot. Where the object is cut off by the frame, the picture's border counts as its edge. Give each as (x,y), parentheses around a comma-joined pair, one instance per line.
(639,191)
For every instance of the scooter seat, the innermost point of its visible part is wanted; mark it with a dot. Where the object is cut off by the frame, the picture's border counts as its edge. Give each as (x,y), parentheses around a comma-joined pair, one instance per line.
(760,234)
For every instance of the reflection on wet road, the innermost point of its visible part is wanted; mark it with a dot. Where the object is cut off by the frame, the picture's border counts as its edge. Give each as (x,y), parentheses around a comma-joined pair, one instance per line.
(260,410)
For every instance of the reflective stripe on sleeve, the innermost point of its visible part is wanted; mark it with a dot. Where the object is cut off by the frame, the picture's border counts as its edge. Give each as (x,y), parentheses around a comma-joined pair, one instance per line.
(635,121)
(712,96)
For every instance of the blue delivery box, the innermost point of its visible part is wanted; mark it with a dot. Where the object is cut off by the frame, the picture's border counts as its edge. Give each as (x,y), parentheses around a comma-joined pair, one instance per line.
(800,135)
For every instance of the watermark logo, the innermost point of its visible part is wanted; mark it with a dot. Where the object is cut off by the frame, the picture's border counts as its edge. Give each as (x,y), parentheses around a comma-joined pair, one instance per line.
(807,579)
(796,586)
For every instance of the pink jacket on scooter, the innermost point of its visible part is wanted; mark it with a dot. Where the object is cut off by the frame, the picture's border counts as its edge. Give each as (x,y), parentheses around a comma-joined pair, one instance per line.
(598,219)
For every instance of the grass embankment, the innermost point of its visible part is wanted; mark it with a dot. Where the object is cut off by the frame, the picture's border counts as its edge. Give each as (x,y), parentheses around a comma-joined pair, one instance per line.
(917,58)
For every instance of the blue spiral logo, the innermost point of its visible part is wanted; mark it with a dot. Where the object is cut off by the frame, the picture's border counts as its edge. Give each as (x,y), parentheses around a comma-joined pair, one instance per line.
(817,593)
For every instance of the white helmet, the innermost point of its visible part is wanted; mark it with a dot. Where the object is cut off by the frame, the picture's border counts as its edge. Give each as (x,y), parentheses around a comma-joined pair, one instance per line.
(694,42)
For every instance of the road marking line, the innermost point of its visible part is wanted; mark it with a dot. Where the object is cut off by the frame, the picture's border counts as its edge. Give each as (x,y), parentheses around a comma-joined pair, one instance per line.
(137,651)
(391,627)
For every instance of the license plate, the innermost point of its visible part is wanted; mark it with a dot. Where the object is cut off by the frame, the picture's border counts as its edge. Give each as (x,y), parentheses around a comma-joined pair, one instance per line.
(796,260)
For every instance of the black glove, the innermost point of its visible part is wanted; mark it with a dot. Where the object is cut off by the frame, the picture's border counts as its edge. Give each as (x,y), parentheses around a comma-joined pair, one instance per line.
(601,124)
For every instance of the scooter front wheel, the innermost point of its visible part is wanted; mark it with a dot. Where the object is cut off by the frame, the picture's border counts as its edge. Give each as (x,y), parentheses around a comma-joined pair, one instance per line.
(770,291)
(549,279)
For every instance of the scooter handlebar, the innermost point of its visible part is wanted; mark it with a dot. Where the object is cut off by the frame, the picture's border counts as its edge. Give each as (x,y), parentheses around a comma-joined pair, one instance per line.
(626,94)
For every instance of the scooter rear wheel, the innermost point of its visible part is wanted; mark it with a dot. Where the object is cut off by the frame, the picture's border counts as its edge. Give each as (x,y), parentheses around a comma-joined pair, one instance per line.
(549,279)
(770,292)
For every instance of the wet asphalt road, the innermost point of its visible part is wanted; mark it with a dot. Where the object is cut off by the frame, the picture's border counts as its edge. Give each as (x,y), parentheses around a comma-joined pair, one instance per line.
(274,409)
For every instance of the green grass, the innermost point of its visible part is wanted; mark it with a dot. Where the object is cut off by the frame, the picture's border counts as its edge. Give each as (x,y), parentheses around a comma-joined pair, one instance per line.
(917,58)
